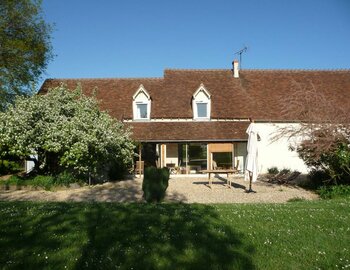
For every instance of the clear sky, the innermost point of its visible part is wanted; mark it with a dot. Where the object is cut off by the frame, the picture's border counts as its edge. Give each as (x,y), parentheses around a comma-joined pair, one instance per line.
(139,38)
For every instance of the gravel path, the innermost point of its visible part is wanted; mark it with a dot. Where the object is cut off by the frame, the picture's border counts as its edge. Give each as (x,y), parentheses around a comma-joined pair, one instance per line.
(185,189)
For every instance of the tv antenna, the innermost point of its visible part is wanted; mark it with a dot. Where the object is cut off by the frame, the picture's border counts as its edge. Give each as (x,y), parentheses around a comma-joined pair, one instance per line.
(240,55)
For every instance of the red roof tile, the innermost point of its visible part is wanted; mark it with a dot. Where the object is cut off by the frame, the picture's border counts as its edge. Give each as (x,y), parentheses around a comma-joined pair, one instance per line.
(256,93)
(189,131)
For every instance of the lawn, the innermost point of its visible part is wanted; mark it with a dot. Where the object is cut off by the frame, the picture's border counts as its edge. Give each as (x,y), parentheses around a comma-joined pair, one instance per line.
(296,235)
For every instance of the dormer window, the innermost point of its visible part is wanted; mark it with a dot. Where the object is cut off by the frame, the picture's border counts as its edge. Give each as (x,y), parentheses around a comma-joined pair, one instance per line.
(141,104)
(201,104)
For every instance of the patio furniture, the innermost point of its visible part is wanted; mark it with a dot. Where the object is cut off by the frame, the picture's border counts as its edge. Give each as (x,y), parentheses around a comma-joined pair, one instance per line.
(227,172)
(172,168)
(139,167)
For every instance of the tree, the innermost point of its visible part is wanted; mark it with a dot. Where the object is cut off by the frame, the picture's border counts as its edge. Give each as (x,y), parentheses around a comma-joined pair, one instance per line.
(324,129)
(25,47)
(66,130)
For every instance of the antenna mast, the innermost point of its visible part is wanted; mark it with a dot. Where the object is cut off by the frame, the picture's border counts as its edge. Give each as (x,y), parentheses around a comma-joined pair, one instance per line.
(240,55)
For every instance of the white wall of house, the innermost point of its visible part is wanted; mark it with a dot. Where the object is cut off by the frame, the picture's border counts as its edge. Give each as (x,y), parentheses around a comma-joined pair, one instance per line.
(277,154)
(29,165)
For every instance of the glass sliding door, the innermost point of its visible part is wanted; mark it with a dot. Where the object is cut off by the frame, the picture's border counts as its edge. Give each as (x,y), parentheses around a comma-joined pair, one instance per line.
(197,157)
(223,160)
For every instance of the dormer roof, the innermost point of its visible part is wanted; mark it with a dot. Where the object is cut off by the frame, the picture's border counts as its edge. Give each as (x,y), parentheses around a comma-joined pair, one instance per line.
(256,93)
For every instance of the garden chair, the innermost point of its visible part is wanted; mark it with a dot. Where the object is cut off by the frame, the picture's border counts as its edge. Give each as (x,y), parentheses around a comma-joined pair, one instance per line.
(139,169)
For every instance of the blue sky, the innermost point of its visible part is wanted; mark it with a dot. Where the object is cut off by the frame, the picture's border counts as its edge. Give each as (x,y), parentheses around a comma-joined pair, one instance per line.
(139,38)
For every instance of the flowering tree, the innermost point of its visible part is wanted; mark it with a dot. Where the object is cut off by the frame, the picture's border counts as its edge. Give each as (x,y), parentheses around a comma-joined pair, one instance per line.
(324,127)
(64,130)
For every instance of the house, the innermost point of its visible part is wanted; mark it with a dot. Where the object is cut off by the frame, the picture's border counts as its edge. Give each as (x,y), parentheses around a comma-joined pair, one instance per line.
(190,118)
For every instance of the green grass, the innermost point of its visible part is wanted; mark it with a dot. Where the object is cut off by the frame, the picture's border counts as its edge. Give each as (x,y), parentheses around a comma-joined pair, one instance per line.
(295,235)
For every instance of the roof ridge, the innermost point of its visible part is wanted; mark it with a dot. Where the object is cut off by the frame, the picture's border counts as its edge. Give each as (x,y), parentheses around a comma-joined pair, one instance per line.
(298,70)
(87,79)
(196,69)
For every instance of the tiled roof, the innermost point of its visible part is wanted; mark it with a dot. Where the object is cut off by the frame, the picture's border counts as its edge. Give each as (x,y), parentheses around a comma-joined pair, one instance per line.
(189,131)
(256,93)
(115,94)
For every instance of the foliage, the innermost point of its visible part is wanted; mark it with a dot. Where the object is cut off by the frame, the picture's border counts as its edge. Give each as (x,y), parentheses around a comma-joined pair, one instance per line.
(331,192)
(14,180)
(273,170)
(155,183)
(285,171)
(322,136)
(334,163)
(66,130)
(44,181)
(65,178)
(117,170)
(8,166)
(25,47)
(303,235)
(315,179)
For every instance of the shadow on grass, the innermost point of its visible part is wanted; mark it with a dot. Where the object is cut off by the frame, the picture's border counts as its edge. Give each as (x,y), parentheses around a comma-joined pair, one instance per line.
(109,236)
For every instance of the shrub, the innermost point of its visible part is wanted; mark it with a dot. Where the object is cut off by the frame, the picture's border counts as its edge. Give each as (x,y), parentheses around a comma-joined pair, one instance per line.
(316,179)
(335,162)
(285,171)
(330,192)
(155,183)
(65,179)
(7,167)
(14,180)
(273,170)
(44,181)
(117,170)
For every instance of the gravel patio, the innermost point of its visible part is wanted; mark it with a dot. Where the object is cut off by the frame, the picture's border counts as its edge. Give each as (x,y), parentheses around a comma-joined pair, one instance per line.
(184,189)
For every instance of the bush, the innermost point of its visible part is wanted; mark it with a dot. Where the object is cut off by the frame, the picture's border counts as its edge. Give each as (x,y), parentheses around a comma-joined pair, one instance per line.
(14,180)
(8,167)
(316,179)
(330,192)
(273,170)
(117,171)
(155,183)
(285,171)
(44,181)
(335,162)
(65,179)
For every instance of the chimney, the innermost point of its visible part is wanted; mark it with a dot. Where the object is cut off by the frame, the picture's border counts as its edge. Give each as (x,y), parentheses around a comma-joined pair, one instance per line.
(235,66)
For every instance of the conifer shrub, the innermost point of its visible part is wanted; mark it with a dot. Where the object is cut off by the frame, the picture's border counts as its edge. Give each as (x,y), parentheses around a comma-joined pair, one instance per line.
(155,183)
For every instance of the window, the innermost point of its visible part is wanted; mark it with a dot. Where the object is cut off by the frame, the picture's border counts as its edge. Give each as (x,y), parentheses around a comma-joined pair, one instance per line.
(141,111)
(201,103)
(202,110)
(141,104)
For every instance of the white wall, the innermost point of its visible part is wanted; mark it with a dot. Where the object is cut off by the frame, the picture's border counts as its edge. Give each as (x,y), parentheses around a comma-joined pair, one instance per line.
(277,154)
(29,165)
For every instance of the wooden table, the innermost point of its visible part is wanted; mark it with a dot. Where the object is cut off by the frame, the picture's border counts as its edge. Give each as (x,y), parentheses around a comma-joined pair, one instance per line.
(227,172)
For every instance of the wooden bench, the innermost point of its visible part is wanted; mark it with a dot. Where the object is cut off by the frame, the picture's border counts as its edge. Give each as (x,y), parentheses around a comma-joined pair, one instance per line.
(227,172)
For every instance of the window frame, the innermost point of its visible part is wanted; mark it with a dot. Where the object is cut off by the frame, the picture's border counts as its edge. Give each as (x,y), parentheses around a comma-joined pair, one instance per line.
(141,100)
(199,100)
